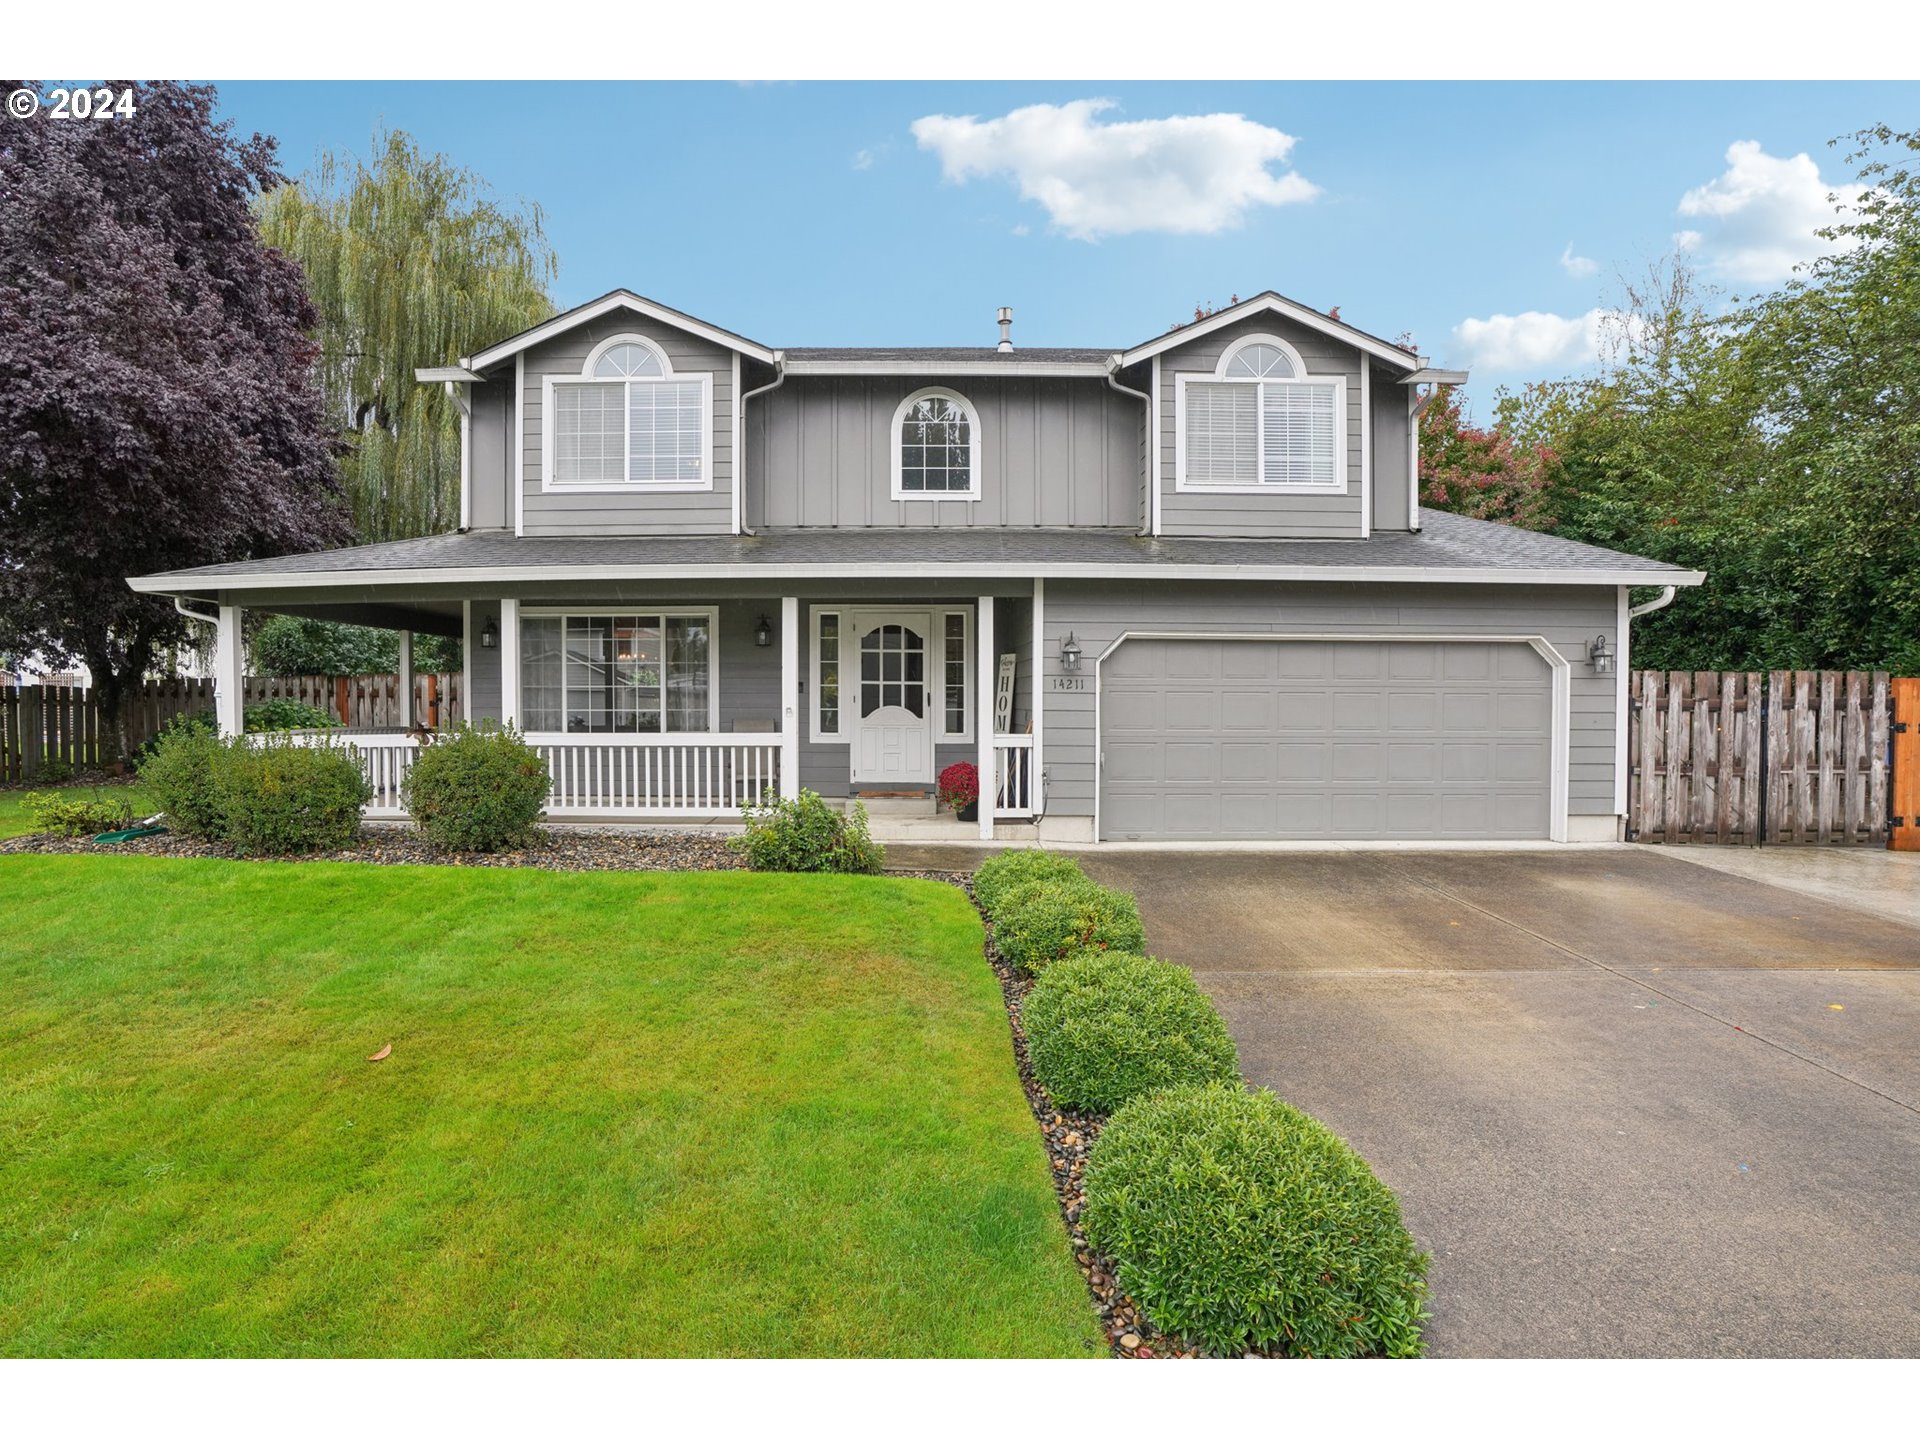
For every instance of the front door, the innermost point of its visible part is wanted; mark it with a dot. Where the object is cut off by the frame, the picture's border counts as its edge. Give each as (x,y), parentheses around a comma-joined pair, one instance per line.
(893,713)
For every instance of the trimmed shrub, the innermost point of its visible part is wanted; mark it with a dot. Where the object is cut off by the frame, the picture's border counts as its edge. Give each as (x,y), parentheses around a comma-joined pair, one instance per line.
(75,814)
(178,770)
(1102,1029)
(806,834)
(1011,868)
(280,798)
(54,771)
(484,788)
(1044,921)
(1239,1224)
(284,714)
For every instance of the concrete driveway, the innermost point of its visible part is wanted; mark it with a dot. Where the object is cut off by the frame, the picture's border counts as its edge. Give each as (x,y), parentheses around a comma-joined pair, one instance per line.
(1633,1106)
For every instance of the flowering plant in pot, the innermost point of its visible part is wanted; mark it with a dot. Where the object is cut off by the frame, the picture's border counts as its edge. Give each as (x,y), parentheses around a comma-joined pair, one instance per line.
(959,790)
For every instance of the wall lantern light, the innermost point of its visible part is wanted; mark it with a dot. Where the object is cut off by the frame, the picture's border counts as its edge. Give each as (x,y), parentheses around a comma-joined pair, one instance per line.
(1601,654)
(1069,654)
(763,633)
(489,636)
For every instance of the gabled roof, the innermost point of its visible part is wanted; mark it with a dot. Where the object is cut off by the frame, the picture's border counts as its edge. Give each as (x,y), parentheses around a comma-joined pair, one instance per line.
(1274,303)
(615,300)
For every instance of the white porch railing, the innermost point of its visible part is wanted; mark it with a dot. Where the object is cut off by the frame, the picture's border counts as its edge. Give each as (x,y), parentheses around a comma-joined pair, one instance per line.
(593,776)
(670,775)
(1013,777)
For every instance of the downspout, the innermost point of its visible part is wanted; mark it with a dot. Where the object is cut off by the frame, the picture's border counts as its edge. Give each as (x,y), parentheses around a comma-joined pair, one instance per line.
(740,461)
(1146,469)
(180,604)
(1666,599)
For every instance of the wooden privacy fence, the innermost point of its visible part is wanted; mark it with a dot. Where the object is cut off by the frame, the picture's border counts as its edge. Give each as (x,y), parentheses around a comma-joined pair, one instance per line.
(39,723)
(1752,758)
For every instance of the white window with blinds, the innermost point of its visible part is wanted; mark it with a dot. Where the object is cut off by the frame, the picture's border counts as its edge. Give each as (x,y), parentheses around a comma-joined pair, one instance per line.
(1261,422)
(628,420)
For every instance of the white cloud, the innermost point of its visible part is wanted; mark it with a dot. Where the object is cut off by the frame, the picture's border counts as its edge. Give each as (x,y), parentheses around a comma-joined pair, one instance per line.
(1759,215)
(1184,175)
(863,159)
(1578,266)
(1021,230)
(1531,340)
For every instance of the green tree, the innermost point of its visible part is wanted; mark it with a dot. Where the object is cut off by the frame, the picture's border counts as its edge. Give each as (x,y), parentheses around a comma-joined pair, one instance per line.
(297,645)
(411,263)
(1485,473)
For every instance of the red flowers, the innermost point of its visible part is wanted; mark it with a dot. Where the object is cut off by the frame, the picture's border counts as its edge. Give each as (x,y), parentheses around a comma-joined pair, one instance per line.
(958,785)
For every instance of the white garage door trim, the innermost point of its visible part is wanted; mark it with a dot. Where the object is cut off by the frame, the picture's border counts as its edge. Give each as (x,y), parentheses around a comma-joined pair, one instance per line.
(1561,672)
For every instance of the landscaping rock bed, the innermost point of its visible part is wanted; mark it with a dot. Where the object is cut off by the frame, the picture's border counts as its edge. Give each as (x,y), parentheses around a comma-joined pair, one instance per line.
(1068,1138)
(555,849)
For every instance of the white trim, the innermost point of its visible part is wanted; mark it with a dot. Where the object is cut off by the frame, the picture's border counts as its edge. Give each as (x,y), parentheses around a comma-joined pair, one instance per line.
(987,665)
(1037,678)
(466,661)
(703,378)
(1260,338)
(1277,305)
(709,613)
(1621,624)
(1183,486)
(789,694)
(842,616)
(972,492)
(519,444)
(510,661)
(1157,464)
(855,624)
(462,397)
(626,337)
(606,304)
(362,580)
(1077,368)
(1413,459)
(444,374)
(970,681)
(230,672)
(1366,448)
(405,677)
(1435,377)
(1560,742)
(735,461)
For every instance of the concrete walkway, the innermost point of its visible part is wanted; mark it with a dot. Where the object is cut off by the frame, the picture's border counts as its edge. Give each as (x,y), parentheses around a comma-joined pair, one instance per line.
(1880,882)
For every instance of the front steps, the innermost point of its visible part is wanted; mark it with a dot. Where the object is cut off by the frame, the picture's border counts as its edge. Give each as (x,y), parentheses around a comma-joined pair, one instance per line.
(899,820)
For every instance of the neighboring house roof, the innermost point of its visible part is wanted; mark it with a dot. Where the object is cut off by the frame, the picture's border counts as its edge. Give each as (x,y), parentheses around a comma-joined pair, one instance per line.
(1451,549)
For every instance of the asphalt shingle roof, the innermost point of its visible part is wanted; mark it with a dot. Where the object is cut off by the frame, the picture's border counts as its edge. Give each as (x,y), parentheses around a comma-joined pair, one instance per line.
(888,354)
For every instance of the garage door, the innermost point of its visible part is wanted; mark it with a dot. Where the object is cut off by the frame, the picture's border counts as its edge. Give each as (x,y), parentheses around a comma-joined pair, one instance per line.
(1305,740)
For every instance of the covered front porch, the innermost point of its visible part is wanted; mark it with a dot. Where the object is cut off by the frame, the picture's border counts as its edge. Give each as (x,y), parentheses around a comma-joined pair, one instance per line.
(657,703)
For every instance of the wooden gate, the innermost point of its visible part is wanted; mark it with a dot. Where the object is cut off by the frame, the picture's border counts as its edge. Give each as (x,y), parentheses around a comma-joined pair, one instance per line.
(1745,758)
(1904,822)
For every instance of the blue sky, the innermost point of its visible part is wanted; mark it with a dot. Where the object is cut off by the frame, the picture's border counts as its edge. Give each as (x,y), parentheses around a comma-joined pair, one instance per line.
(1488,220)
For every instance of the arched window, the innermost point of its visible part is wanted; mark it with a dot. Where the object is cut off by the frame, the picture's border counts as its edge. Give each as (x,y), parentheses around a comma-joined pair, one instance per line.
(936,456)
(627,419)
(1260,421)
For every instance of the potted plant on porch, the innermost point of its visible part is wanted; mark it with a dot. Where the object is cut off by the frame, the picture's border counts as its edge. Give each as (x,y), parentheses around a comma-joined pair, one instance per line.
(959,790)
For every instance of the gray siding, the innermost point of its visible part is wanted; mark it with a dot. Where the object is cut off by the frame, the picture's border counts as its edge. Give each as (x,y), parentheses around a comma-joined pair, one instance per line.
(483,666)
(1389,451)
(490,439)
(1253,513)
(639,512)
(1052,452)
(1098,613)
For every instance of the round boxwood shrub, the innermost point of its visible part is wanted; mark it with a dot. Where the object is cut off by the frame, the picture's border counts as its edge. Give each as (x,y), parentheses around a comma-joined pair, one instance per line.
(479,789)
(1011,868)
(178,772)
(1102,1029)
(1239,1224)
(280,798)
(1043,921)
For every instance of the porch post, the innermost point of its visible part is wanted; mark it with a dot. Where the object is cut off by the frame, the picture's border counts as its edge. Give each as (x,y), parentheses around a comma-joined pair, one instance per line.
(988,672)
(229,673)
(510,662)
(406,680)
(1036,758)
(789,696)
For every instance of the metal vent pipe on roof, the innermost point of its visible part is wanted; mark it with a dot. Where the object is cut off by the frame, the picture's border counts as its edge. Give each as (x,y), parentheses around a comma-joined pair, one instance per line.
(1006,328)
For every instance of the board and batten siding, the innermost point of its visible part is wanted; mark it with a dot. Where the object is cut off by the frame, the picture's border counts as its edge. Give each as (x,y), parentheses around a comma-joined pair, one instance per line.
(1098,613)
(1252,513)
(638,511)
(1052,452)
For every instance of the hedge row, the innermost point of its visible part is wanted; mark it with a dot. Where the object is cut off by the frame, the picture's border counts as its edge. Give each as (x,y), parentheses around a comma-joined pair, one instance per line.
(1236,1221)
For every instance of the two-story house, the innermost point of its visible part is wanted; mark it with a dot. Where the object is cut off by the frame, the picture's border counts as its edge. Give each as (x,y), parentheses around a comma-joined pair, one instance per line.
(1178,591)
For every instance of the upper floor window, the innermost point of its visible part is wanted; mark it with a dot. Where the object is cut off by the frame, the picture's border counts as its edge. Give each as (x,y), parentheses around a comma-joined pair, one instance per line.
(1261,421)
(627,419)
(936,456)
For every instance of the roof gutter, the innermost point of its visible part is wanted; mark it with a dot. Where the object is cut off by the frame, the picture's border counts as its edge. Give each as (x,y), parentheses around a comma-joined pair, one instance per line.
(739,461)
(1146,467)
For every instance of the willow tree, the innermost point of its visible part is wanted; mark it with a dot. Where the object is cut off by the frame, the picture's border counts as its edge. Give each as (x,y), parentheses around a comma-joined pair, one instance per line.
(410,262)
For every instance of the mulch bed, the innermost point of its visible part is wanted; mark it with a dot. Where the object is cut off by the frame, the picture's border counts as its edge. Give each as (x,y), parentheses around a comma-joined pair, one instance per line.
(555,849)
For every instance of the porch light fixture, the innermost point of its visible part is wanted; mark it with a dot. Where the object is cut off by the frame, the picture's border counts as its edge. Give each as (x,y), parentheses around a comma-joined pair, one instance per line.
(489,636)
(763,633)
(1069,654)
(1601,655)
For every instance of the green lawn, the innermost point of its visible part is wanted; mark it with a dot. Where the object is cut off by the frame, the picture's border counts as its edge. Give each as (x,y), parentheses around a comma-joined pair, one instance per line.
(625,1114)
(13,814)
